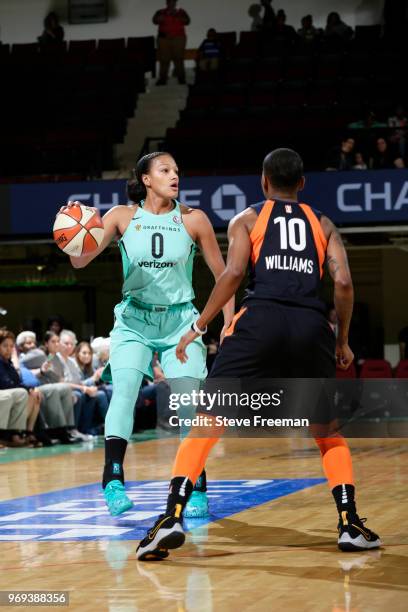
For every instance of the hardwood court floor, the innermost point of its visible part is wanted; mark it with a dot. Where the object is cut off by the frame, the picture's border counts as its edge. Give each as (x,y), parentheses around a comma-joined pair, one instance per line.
(280,555)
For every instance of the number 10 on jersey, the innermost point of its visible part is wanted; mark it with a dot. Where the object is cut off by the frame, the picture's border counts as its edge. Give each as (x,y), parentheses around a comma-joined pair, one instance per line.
(292,231)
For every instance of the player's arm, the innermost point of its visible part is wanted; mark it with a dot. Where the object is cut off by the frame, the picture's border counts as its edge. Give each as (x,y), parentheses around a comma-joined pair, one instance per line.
(207,241)
(338,267)
(227,283)
(110,224)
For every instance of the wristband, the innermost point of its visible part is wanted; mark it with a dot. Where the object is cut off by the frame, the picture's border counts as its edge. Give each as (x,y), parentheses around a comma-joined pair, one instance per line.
(197,330)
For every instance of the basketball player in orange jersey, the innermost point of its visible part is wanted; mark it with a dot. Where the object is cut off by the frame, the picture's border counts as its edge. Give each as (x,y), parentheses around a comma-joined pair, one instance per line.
(281,332)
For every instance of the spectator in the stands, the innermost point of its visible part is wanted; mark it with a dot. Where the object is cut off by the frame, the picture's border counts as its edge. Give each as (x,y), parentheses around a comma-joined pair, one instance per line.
(66,368)
(308,33)
(55,324)
(341,157)
(359,161)
(100,347)
(23,401)
(336,28)
(283,32)
(171,40)
(254,11)
(53,33)
(92,377)
(385,156)
(399,121)
(403,343)
(269,17)
(332,319)
(369,122)
(209,52)
(57,405)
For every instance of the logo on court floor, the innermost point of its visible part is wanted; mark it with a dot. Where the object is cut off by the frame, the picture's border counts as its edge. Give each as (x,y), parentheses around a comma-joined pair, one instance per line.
(80,513)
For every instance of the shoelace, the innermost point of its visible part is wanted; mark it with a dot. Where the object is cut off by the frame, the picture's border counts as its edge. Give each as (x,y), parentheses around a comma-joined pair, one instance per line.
(358,520)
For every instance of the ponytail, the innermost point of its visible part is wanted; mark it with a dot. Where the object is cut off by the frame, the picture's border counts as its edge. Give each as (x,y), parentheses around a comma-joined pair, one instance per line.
(136,189)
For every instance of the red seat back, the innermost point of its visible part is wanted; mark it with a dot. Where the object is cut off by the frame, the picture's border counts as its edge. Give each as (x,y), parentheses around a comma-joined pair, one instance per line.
(402,369)
(376,368)
(349,373)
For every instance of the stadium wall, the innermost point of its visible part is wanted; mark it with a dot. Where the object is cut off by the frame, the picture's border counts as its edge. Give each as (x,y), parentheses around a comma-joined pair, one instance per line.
(21,20)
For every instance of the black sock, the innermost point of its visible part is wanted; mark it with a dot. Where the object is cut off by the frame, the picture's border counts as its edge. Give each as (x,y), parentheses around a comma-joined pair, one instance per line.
(179,491)
(115,449)
(201,484)
(344,497)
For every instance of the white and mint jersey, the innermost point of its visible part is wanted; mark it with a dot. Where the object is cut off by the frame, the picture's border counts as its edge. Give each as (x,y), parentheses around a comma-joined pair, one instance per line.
(157,256)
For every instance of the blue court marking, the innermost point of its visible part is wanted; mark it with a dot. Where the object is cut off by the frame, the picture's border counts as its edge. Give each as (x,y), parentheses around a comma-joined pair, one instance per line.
(80,513)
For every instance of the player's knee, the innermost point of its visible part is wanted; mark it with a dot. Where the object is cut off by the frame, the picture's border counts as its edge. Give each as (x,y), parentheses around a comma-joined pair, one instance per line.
(326,444)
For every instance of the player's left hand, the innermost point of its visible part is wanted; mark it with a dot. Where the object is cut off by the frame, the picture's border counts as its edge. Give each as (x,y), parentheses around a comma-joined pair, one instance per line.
(183,344)
(344,355)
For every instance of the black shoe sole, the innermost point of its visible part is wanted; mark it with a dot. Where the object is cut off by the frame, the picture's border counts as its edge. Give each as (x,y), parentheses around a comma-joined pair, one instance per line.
(169,542)
(348,547)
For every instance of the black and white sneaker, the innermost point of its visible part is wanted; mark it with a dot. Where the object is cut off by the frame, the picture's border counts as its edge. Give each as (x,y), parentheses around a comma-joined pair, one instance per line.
(354,536)
(167,533)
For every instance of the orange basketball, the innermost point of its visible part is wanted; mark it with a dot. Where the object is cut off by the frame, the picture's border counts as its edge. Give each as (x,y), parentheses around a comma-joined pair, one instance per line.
(78,230)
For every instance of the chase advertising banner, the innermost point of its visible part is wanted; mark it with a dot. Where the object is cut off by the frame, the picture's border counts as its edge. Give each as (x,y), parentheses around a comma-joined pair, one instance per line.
(358,197)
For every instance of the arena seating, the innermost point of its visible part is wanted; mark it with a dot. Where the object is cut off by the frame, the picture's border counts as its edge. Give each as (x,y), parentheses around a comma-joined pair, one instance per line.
(63,108)
(402,369)
(376,368)
(351,372)
(268,92)
(67,105)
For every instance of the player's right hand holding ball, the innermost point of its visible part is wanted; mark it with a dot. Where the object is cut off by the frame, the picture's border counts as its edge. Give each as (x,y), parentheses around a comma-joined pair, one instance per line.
(78,229)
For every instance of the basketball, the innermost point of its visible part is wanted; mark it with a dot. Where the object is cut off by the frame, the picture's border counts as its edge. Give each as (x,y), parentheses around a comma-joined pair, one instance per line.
(78,230)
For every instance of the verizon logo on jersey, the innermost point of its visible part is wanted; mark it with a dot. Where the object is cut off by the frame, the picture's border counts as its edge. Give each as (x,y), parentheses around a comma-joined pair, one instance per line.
(289,262)
(156,264)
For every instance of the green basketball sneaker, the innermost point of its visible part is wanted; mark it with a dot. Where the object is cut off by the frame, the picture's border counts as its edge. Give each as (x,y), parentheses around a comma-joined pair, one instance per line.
(197,505)
(116,498)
